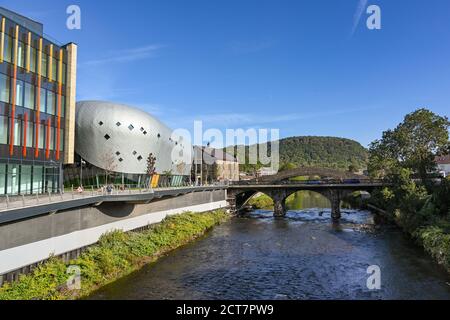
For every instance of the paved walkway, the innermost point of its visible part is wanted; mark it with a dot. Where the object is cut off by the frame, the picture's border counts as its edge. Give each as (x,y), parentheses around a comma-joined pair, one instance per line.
(27,201)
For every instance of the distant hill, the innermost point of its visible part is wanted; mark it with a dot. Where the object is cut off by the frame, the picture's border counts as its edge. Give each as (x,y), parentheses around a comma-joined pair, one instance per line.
(327,152)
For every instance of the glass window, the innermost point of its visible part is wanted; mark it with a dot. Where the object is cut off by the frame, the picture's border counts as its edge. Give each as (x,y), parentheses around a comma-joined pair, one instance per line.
(8,49)
(50,102)
(44,65)
(5,86)
(30,127)
(17,131)
(3,130)
(52,138)
(41,136)
(33,58)
(29,96)
(43,100)
(63,106)
(19,93)
(25,179)
(2,178)
(37,179)
(64,73)
(20,55)
(61,139)
(13,179)
(54,69)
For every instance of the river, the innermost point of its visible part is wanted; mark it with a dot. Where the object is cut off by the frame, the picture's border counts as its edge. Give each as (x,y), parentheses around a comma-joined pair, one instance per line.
(301,256)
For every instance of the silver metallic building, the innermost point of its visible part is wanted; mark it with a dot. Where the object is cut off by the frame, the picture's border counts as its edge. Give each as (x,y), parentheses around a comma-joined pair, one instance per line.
(120,138)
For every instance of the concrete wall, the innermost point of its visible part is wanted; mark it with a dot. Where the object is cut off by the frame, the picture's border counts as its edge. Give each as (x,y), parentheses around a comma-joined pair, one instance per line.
(29,241)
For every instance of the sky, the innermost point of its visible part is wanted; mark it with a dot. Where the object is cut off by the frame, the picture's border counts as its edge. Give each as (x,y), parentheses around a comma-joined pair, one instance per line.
(306,67)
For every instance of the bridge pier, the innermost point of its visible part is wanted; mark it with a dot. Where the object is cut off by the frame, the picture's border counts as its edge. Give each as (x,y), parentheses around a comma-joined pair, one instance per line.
(279,206)
(335,201)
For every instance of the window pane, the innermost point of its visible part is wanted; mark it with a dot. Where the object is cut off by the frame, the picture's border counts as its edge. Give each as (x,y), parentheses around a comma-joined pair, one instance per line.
(5,86)
(33,60)
(25,179)
(64,73)
(54,69)
(61,141)
(37,179)
(43,100)
(13,179)
(17,131)
(8,49)
(19,93)
(41,136)
(2,178)
(44,65)
(30,128)
(63,106)
(52,138)
(29,96)
(20,55)
(50,102)
(3,130)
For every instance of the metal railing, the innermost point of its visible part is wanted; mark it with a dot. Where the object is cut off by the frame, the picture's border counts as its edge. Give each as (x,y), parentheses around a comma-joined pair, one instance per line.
(9,202)
(310,182)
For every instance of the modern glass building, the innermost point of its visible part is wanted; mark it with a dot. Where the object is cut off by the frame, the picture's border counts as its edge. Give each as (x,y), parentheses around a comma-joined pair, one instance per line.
(37,107)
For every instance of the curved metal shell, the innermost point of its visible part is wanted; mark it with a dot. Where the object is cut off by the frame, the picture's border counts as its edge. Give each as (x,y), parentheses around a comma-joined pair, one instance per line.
(120,138)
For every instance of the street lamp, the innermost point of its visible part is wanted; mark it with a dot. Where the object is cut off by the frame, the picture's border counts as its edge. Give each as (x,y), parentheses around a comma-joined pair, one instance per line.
(82,162)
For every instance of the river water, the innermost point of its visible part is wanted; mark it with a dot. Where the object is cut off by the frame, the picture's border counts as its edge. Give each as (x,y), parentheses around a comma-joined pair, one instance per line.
(301,256)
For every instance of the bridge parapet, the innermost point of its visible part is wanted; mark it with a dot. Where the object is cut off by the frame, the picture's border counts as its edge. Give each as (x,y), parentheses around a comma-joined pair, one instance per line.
(333,190)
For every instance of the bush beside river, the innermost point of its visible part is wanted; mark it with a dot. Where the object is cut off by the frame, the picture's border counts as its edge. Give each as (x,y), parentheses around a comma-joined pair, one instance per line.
(114,256)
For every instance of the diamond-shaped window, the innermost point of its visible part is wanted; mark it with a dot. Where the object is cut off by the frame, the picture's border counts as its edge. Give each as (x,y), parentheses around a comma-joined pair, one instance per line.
(107,137)
(131,127)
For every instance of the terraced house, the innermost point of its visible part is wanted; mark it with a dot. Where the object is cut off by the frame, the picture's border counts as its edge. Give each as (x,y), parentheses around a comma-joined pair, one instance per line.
(37,107)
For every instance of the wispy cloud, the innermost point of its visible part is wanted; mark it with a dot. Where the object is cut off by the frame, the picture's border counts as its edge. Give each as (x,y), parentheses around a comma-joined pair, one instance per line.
(234,120)
(122,56)
(362,4)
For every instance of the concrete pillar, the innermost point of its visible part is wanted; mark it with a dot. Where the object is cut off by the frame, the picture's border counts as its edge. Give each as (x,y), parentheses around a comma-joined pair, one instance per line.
(71,81)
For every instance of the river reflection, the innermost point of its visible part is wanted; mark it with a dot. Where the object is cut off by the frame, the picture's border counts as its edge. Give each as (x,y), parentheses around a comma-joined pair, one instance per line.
(302,256)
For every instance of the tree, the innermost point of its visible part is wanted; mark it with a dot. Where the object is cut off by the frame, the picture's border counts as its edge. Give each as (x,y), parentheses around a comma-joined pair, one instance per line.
(109,164)
(413,144)
(151,162)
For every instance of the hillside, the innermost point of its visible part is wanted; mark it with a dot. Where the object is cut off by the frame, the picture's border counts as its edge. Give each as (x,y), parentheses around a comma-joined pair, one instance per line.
(328,152)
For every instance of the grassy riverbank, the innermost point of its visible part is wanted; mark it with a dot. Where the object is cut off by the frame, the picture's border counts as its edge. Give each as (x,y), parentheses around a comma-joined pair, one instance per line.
(114,256)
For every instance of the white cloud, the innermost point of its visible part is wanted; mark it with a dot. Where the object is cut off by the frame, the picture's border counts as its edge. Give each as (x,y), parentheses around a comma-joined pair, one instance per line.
(362,4)
(128,55)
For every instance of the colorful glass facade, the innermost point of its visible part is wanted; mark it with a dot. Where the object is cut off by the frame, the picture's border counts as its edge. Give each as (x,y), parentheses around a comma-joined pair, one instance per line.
(33,107)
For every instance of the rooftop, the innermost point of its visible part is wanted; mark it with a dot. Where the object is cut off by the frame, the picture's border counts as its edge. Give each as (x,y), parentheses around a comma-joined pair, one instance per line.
(25,22)
(443,159)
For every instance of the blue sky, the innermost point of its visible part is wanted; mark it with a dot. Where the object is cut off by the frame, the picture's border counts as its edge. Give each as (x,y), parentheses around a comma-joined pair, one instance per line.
(303,66)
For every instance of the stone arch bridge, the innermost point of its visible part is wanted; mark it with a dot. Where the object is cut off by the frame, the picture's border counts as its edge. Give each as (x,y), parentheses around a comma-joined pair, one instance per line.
(333,190)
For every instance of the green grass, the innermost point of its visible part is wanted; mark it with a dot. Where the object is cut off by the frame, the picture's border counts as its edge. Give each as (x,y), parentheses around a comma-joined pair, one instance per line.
(115,255)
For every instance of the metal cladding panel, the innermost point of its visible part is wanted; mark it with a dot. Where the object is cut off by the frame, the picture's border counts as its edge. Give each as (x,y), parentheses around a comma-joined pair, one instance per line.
(110,135)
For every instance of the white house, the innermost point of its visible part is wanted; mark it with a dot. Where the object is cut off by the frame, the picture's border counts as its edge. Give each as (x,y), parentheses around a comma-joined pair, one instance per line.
(443,163)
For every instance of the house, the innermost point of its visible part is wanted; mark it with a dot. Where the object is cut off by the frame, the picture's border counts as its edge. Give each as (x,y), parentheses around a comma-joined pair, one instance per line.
(443,163)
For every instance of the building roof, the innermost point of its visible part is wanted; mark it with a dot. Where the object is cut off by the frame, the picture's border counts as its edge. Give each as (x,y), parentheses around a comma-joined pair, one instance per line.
(25,22)
(443,159)
(216,154)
